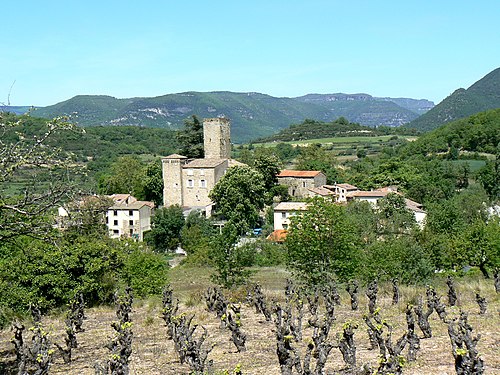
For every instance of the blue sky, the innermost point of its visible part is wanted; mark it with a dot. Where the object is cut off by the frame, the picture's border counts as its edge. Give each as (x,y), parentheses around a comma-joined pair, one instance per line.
(54,50)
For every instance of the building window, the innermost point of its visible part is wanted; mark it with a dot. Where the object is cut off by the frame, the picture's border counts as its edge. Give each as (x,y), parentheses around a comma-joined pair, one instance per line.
(203,183)
(130,212)
(116,231)
(115,213)
(131,232)
(115,222)
(189,172)
(107,220)
(304,183)
(202,172)
(285,226)
(131,222)
(190,183)
(283,215)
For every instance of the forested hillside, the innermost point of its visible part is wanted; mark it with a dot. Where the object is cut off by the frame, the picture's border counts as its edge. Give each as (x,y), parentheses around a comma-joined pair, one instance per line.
(481,96)
(252,114)
(311,129)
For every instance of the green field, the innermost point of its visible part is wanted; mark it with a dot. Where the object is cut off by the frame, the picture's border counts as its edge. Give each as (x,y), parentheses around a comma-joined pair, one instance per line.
(331,141)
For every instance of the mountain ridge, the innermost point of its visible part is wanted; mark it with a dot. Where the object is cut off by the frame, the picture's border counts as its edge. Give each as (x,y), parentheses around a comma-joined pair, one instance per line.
(481,96)
(252,114)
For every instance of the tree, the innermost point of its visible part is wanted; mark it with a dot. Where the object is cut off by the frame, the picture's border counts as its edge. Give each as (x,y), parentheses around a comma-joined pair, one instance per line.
(393,216)
(46,174)
(269,166)
(227,258)
(315,158)
(239,196)
(196,236)
(127,176)
(191,138)
(153,184)
(322,243)
(166,227)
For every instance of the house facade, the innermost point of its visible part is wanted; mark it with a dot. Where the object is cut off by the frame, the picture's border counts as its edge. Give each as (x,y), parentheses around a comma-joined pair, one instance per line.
(299,182)
(128,217)
(284,211)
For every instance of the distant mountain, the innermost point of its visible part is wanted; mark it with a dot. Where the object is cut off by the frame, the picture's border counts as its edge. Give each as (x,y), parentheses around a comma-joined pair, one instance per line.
(18,110)
(252,115)
(481,96)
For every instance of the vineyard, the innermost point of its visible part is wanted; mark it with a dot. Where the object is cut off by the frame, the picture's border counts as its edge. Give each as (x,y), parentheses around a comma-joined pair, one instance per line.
(271,327)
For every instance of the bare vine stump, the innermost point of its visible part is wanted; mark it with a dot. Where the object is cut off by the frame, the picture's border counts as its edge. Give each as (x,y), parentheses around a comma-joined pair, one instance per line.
(352,289)
(467,360)
(423,318)
(347,346)
(371,293)
(496,277)
(234,325)
(395,291)
(483,304)
(412,337)
(452,292)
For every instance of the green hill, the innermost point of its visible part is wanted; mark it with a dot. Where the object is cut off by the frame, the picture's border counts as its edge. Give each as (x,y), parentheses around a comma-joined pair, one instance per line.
(253,115)
(481,96)
(476,133)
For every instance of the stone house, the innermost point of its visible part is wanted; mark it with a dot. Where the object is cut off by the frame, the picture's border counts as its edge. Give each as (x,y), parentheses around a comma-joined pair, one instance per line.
(188,182)
(299,182)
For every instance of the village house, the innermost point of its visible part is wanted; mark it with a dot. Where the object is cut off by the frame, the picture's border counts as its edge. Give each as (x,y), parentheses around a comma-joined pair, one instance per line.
(284,211)
(128,217)
(188,182)
(124,216)
(373,197)
(299,182)
(341,190)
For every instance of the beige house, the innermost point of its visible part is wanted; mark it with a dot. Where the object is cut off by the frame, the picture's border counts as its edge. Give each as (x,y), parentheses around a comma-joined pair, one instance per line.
(188,182)
(128,217)
(299,182)
(373,197)
(125,216)
(284,211)
(341,190)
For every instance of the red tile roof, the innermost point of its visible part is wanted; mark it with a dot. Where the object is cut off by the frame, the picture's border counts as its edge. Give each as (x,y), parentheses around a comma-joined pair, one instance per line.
(279,235)
(290,173)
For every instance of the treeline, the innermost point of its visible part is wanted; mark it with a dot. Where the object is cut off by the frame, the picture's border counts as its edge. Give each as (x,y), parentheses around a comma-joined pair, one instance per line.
(98,144)
(312,129)
(477,133)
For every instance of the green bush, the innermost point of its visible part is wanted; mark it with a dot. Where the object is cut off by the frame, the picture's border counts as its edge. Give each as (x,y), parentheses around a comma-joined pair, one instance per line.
(145,272)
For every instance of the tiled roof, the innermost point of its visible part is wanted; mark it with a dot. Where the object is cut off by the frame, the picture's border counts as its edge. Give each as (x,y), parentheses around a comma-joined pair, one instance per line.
(175,156)
(204,163)
(291,206)
(132,206)
(347,186)
(321,191)
(290,173)
(373,193)
(279,235)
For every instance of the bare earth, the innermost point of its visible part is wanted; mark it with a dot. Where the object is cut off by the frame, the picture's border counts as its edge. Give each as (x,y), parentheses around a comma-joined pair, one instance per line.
(154,354)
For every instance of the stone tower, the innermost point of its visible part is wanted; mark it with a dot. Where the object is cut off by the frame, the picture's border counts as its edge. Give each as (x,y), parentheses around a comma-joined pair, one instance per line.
(217,138)
(172,179)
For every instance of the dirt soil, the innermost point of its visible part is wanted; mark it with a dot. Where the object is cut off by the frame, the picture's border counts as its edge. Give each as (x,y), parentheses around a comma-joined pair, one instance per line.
(154,354)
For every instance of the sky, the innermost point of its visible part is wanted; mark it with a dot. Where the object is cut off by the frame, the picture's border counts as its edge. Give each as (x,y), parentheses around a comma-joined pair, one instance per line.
(54,50)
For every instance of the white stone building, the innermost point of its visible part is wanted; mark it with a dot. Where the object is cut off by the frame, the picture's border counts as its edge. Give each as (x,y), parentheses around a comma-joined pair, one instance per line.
(128,217)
